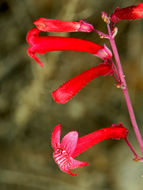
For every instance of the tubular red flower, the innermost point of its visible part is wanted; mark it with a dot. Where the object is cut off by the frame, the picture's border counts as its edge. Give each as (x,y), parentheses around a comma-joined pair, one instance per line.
(52,25)
(71,146)
(116,132)
(128,13)
(66,91)
(42,45)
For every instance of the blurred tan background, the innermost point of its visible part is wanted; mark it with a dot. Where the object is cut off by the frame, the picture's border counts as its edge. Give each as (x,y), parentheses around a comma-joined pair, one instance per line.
(28,113)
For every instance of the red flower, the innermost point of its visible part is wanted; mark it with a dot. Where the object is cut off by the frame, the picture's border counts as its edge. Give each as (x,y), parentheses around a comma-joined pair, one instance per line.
(42,45)
(71,146)
(51,25)
(128,13)
(66,91)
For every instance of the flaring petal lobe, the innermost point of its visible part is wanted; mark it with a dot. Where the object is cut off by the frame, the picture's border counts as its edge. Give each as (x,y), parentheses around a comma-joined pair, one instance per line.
(69,142)
(77,163)
(56,137)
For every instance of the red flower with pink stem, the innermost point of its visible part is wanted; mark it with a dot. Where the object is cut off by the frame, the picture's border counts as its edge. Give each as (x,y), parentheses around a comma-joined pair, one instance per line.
(42,45)
(69,89)
(72,145)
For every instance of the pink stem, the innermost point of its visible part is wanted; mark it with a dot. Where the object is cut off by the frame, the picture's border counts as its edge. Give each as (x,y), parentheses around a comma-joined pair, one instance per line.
(101,34)
(125,90)
(131,148)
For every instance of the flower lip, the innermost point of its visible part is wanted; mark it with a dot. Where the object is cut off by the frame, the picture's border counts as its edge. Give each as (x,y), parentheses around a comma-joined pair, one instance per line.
(63,151)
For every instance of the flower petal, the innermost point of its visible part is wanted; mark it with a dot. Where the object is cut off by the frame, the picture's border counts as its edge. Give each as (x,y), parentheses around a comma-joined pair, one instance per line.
(56,137)
(32,35)
(69,142)
(68,171)
(77,163)
(52,25)
(74,164)
(32,54)
(66,162)
(128,13)
(66,91)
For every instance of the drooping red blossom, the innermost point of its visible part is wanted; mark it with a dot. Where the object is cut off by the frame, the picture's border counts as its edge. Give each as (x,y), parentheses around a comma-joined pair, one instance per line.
(52,25)
(66,91)
(41,45)
(128,13)
(71,146)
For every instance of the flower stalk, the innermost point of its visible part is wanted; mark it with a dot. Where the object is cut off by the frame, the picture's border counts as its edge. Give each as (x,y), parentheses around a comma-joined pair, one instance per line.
(125,90)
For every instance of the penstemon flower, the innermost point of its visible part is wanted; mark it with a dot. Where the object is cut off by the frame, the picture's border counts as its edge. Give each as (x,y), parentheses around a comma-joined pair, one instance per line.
(42,45)
(51,25)
(128,13)
(66,91)
(71,145)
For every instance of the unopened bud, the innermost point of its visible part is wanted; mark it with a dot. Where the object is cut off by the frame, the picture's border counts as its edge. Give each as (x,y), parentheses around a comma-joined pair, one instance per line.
(105,17)
(114,32)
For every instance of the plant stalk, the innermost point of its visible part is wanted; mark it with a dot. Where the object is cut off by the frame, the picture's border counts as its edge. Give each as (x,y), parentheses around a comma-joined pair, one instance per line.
(125,90)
